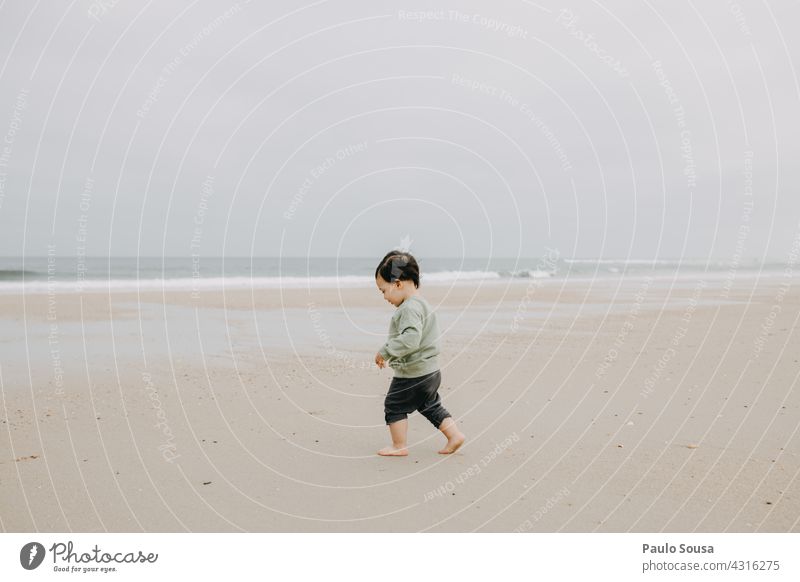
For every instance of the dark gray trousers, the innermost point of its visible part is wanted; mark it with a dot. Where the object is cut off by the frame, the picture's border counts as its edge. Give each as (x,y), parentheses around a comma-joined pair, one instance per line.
(409,394)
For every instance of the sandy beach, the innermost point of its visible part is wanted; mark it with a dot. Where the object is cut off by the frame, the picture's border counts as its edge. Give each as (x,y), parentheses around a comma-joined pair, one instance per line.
(630,405)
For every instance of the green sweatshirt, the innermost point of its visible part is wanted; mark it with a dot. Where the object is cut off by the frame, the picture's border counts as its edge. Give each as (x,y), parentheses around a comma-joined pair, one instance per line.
(413,344)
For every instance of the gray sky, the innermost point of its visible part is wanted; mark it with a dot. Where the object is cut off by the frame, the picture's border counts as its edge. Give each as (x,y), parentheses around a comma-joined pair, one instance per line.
(642,129)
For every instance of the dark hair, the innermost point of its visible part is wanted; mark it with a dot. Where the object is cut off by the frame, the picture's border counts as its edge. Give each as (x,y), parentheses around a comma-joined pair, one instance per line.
(398,266)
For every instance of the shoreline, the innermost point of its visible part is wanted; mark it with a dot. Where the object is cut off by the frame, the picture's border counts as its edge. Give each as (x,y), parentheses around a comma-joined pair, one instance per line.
(200,284)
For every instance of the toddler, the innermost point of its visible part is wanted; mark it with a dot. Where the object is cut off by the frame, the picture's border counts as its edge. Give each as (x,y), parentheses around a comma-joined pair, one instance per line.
(411,351)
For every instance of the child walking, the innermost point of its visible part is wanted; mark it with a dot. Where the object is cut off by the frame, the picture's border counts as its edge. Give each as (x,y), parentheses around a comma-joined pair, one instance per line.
(411,351)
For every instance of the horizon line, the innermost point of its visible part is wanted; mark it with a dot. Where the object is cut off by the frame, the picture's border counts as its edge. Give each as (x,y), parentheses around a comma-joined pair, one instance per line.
(371,257)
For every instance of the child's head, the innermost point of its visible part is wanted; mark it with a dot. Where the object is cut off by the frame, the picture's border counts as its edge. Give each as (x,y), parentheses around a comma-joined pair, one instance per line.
(397,276)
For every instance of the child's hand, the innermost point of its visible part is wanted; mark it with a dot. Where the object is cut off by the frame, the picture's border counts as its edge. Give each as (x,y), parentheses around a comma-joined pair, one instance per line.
(381,363)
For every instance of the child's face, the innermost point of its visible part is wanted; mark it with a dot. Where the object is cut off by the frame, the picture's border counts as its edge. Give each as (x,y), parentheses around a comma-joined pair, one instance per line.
(394,293)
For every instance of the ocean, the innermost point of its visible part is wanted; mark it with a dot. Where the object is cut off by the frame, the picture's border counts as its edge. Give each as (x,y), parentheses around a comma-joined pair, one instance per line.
(71,274)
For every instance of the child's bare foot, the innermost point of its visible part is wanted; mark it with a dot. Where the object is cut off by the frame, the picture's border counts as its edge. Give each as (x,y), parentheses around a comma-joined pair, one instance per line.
(455,438)
(453,444)
(392,451)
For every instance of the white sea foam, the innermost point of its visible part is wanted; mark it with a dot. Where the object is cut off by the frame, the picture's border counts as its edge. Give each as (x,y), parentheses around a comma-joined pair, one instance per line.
(436,278)
(217,283)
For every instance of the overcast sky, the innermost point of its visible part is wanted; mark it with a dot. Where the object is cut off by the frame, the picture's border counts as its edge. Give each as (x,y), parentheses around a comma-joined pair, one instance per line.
(628,129)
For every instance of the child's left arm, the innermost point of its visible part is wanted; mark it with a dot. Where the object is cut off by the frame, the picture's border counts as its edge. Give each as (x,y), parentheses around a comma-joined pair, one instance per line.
(408,340)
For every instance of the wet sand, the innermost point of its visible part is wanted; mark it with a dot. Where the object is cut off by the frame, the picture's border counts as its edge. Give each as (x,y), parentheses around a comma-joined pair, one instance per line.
(589,406)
